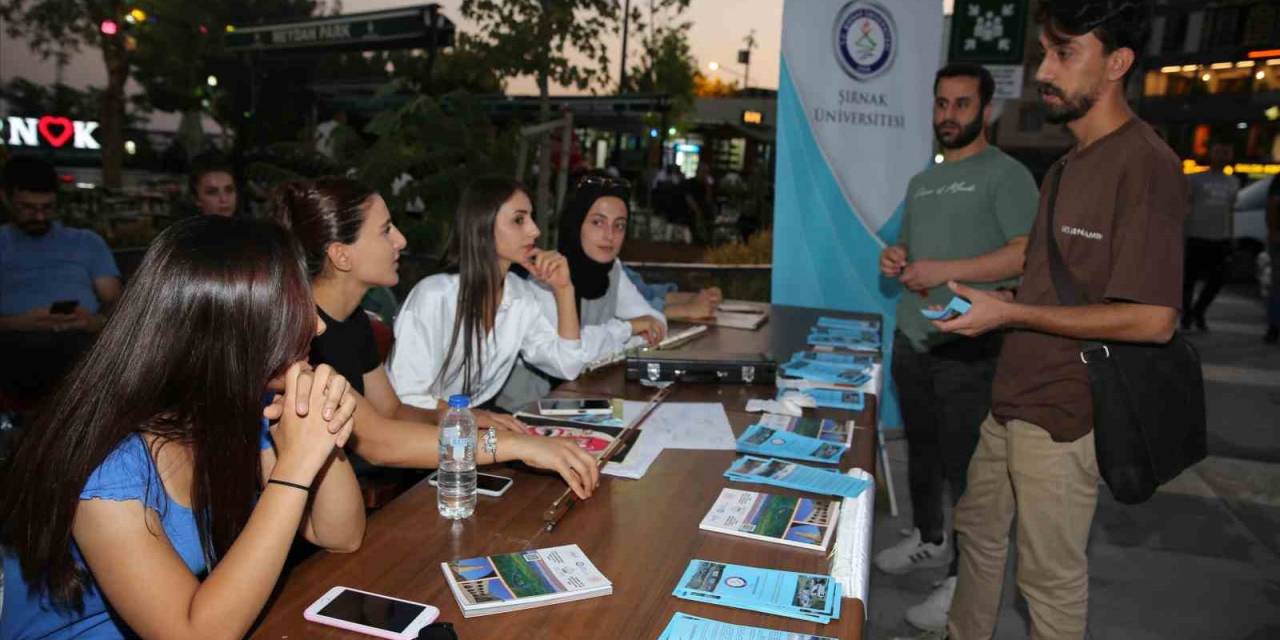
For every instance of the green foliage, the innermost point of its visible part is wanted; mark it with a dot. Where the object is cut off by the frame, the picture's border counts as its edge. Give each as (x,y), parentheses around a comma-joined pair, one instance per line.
(439,143)
(544,38)
(29,98)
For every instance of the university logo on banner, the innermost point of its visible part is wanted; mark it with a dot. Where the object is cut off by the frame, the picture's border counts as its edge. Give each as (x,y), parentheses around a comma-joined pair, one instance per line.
(866,39)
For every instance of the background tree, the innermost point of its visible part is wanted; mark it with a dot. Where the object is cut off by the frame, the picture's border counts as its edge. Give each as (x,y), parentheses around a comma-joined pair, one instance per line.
(182,44)
(545,39)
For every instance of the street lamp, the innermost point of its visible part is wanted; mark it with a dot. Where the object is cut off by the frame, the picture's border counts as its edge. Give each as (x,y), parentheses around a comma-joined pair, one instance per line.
(715,66)
(212,81)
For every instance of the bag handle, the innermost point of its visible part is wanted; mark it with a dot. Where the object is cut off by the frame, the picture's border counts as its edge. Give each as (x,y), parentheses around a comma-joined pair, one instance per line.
(1063,284)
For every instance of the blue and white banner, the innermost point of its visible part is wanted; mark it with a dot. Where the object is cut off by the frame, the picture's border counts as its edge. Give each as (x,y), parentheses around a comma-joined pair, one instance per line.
(855,103)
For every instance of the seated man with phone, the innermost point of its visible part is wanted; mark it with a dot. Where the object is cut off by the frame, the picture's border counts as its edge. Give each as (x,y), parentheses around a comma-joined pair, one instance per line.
(56,283)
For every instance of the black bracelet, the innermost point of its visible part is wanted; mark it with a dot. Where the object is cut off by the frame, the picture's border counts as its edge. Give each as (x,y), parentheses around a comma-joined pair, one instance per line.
(290,484)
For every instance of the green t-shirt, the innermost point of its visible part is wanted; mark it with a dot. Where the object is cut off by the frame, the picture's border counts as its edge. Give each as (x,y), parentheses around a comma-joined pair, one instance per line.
(957,210)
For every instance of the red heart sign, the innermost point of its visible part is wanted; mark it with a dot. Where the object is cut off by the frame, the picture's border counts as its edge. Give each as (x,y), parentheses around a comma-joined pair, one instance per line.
(47,122)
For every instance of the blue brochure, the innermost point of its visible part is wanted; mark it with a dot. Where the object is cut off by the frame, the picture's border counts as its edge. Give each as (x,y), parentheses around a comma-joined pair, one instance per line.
(803,596)
(831,357)
(765,441)
(826,372)
(790,475)
(865,341)
(848,324)
(686,627)
(834,398)
(957,307)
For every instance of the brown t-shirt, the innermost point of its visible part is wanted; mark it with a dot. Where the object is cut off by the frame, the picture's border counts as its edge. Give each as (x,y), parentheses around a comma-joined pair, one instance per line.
(1121,205)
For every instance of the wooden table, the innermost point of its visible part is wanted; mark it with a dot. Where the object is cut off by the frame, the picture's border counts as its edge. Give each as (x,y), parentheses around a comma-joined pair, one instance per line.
(640,533)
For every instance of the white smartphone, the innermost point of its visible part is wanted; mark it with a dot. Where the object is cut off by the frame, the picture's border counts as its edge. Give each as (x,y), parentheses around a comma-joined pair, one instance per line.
(370,613)
(486,483)
(575,406)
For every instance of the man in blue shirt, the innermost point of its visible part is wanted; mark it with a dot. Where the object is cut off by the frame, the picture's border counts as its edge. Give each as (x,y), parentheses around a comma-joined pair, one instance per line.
(56,283)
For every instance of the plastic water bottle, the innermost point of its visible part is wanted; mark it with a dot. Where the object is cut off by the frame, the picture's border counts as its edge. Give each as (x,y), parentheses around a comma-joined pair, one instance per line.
(456,479)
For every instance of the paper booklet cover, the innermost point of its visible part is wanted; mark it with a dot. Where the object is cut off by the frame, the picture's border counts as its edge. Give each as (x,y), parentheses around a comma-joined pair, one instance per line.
(799,522)
(513,581)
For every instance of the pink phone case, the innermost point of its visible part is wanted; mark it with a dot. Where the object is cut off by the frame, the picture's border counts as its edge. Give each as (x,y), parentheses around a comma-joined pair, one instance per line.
(428,616)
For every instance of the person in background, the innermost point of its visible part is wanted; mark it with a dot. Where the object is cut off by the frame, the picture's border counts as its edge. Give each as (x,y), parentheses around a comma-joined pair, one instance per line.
(213,185)
(1272,336)
(153,497)
(1209,231)
(352,245)
(57,284)
(1121,202)
(610,309)
(460,332)
(966,220)
(700,198)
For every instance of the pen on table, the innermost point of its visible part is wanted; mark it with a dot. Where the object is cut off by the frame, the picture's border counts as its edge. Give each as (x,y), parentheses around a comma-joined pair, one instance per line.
(561,506)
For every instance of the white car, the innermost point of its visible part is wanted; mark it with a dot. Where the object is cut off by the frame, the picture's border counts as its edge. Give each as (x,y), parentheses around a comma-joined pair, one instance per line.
(1250,261)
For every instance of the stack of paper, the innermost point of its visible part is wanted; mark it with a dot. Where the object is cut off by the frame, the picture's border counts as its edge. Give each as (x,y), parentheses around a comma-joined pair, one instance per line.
(803,596)
(840,333)
(741,314)
(796,522)
(514,581)
(790,475)
(686,627)
(820,428)
(766,441)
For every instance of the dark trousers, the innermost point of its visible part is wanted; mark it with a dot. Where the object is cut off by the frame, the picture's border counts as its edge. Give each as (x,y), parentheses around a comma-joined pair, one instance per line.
(1205,260)
(945,393)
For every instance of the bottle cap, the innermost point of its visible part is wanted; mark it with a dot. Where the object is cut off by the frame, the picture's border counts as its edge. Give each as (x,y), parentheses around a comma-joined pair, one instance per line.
(459,401)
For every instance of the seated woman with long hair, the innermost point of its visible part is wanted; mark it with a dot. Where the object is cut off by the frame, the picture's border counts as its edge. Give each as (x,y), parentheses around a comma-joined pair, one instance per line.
(352,244)
(154,498)
(593,227)
(460,332)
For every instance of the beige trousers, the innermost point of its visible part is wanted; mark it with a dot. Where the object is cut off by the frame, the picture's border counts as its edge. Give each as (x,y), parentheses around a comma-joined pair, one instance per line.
(1052,490)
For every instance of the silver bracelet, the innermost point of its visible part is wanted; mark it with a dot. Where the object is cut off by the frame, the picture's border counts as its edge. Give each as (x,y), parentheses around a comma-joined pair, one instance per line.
(491,443)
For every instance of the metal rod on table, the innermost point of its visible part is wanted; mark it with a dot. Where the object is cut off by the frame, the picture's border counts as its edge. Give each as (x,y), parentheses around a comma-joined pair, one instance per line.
(561,506)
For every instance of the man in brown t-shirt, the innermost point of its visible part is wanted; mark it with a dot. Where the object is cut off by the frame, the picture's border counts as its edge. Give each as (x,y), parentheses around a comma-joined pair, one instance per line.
(1118,223)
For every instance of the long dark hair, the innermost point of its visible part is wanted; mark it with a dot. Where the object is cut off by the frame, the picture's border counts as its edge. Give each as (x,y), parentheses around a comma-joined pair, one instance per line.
(218,307)
(321,212)
(590,278)
(473,255)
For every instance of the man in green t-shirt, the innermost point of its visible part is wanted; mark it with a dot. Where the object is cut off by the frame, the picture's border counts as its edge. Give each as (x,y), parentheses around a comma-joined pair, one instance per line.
(966,220)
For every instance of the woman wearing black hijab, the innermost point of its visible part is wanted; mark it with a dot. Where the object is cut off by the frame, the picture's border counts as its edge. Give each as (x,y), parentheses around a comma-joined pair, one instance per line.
(613,314)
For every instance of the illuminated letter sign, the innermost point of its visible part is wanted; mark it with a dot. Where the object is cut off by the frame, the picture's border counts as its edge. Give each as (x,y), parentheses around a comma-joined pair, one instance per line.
(55,131)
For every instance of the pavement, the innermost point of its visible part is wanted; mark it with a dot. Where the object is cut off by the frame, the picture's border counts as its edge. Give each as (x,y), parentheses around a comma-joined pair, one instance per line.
(1201,559)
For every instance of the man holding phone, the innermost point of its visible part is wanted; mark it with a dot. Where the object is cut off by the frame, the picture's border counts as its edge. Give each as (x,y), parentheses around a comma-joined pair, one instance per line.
(966,219)
(56,283)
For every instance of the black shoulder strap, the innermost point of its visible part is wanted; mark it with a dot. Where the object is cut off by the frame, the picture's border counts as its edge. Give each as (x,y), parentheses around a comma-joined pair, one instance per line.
(1063,283)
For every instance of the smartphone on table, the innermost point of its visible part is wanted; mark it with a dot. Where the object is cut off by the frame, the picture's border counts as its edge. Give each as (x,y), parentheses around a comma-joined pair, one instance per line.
(64,307)
(370,613)
(575,406)
(487,484)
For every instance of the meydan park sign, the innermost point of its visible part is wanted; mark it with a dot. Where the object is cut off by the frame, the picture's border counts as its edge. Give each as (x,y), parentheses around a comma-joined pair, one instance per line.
(48,131)
(411,27)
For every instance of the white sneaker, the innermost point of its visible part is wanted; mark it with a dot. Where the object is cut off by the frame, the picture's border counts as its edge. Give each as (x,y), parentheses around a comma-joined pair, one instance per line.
(910,554)
(931,615)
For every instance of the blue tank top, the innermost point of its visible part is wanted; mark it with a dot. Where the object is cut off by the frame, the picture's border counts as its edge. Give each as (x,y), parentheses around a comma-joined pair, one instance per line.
(128,473)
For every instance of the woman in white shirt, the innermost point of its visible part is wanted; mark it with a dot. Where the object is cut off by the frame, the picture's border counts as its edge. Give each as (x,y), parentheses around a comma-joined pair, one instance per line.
(461,331)
(611,309)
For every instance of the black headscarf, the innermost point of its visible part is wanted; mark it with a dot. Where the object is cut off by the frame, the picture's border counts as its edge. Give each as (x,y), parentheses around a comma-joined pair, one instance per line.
(590,278)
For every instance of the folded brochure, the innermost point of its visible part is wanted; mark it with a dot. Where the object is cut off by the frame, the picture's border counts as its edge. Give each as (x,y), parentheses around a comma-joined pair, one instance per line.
(766,441)
(686,627)
(797,522)
(514,581)
(792,475)
(802,596)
